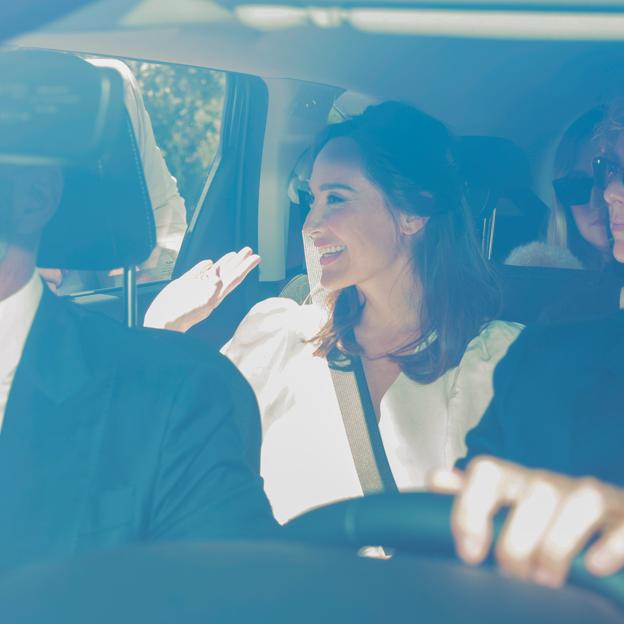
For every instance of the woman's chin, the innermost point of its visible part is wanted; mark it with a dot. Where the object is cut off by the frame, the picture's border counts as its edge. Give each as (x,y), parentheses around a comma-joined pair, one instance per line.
(618,250)
(332,282)
(329,284)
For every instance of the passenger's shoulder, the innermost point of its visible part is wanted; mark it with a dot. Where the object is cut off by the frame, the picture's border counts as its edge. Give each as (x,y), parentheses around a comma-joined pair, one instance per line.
(279,316)
(273,332)
(496,331)
(274,308)
(494,339)
(480,361)
(174,348)
(105,339)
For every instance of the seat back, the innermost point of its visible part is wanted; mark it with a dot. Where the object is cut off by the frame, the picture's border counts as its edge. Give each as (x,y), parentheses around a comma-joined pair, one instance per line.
(105,219)
(507,212)
(538,294)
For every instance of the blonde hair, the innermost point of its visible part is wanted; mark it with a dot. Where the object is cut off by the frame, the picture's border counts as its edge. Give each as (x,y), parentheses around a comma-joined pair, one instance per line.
(561,229)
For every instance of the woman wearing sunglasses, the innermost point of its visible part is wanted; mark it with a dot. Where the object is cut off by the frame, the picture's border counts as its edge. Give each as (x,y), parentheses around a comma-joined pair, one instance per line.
(578,235)
(578,219)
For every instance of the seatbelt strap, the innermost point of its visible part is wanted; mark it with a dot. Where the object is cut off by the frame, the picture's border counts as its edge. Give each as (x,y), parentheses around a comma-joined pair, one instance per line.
(356,407)
(360,423)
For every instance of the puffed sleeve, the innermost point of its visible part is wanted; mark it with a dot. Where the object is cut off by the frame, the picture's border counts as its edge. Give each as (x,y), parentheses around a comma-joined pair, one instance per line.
(266,341)
(488,437)
(473,385)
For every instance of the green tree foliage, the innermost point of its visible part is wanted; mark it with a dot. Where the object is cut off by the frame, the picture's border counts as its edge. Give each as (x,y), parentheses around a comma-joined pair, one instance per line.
(185,105)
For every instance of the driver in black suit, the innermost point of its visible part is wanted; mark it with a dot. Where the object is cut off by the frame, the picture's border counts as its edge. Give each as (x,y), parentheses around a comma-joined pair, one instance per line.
(108,435)
(558,409)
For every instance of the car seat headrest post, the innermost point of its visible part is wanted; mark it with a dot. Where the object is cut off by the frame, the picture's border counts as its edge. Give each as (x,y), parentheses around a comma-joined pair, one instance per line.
(491,230)
(130,297)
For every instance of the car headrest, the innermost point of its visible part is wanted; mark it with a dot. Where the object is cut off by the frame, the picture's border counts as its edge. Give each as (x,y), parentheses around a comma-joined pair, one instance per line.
(73,117)
(105,219)
(496,168)
(494,162)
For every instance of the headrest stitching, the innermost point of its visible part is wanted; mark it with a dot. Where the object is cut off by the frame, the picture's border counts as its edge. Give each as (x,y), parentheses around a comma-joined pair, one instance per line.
(147,204)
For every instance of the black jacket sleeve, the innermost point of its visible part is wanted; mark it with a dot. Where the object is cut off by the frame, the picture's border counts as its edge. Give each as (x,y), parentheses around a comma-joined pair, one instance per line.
(207,483)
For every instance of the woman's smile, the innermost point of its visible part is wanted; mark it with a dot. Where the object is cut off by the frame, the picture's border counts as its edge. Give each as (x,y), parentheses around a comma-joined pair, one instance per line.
(330,253)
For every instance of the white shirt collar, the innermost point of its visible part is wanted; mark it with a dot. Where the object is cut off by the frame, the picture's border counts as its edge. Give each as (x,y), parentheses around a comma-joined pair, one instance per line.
(17,313)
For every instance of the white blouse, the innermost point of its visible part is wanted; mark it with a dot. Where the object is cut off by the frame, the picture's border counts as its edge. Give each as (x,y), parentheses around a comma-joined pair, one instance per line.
(306,460)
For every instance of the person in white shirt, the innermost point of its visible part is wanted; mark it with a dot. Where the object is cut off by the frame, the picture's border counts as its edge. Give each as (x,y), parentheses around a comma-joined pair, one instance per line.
(17,312)
(408,293)
(20,288)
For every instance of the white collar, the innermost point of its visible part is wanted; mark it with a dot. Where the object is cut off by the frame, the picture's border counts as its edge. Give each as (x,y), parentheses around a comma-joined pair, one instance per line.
(16,316)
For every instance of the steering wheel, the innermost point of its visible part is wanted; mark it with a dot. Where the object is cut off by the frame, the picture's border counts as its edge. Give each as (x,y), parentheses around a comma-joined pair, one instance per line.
(416,523)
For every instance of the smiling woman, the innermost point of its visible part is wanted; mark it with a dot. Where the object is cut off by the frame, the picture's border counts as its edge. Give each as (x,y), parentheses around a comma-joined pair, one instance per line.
(389,191)
(409,296)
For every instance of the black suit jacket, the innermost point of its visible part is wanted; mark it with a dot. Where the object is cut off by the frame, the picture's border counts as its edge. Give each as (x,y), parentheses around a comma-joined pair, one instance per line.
(113,436)
(559,401)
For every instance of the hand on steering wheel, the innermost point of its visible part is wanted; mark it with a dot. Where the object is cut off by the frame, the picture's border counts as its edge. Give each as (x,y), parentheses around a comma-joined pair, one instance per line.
(419,523)
(193,296)
(552,517)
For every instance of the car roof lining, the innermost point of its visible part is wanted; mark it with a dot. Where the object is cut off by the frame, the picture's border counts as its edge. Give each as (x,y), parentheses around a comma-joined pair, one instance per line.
(476,86)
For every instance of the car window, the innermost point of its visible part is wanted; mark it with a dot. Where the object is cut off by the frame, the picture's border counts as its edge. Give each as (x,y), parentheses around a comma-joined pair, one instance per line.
(176,113)
(185,105)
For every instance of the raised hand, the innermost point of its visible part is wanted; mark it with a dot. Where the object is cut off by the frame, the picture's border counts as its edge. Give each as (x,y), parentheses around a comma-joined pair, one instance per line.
(551,519)
(192,297)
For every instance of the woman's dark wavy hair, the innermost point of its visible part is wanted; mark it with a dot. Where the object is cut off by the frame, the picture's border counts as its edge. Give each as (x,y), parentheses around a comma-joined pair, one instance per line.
(409,156)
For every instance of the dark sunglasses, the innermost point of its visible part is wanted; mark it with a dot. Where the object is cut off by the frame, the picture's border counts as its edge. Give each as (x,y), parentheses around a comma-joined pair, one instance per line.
(606,170)
(574,189)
